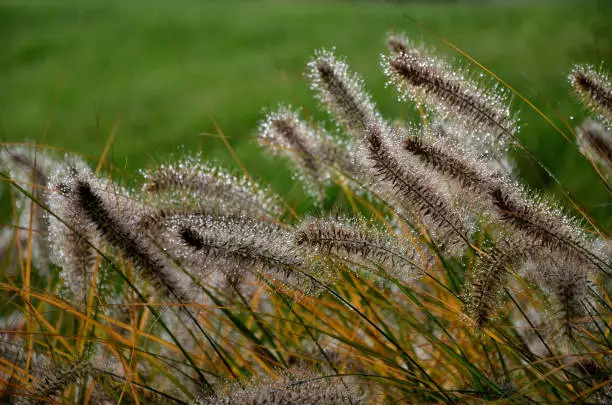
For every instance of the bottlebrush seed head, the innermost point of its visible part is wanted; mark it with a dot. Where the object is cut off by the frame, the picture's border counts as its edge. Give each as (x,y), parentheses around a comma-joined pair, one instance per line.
(317,155)
(593,88)
(53,380)
(412,187)
(361,242)
(100,211)
(450,93)
(484,288)
(195,181)
(596,143)
(72,238)
(295,387)
(237,246)
(342,93)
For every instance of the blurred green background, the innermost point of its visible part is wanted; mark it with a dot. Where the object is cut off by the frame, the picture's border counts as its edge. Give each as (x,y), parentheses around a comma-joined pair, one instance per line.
(160,72)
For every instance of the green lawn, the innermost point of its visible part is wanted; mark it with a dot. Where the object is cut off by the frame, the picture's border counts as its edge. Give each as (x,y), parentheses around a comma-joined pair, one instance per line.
(162,71)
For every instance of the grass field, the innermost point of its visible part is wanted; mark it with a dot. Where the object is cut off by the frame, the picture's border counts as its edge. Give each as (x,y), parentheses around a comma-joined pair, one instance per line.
(158,73)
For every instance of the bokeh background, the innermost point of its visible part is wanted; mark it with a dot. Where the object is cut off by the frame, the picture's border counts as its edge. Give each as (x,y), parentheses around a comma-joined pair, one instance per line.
(154,75)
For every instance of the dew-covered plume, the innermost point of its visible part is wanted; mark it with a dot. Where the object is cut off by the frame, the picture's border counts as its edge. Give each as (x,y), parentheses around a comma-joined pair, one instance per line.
(316,155)
(487,280)
(361,242)
(296,386)
(450,92)
(113,217)
(451,159)
(342,93)
(594,89)
(194,181)
(596,143)
(30,168)
(543,225)
(52,380)
(567,282)
(236,247)
(73,239)
(411,186)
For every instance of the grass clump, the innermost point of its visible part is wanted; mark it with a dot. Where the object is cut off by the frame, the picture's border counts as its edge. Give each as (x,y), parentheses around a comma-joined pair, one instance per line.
(445,280)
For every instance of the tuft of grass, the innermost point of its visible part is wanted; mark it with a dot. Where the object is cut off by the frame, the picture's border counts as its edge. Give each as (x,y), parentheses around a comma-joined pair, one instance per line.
(446,279)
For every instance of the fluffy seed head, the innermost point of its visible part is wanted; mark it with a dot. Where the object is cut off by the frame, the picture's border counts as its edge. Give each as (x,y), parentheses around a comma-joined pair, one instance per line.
(236,247)
(593,88)
(53,380)
(596,143)
(543,224)
(451,159)
(73,238)
(31,169)
(484,289)
(295,387)
(360,242)
(192,180)
(566,281)
(100,211)
(412,187)
(341,92)
(450,93)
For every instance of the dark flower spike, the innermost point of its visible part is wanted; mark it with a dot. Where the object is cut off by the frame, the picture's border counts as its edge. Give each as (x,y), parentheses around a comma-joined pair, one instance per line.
(194,180)
(72,246)
(486,283)
(314,153)
(593,88)
(31,169)
(451,159)
(100,211)
(413,188)
(569,286)
(53,380)
(543,225)
(237,247)
(295,387)
(360,242)
(596,143)
(342,93)
(450,93)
